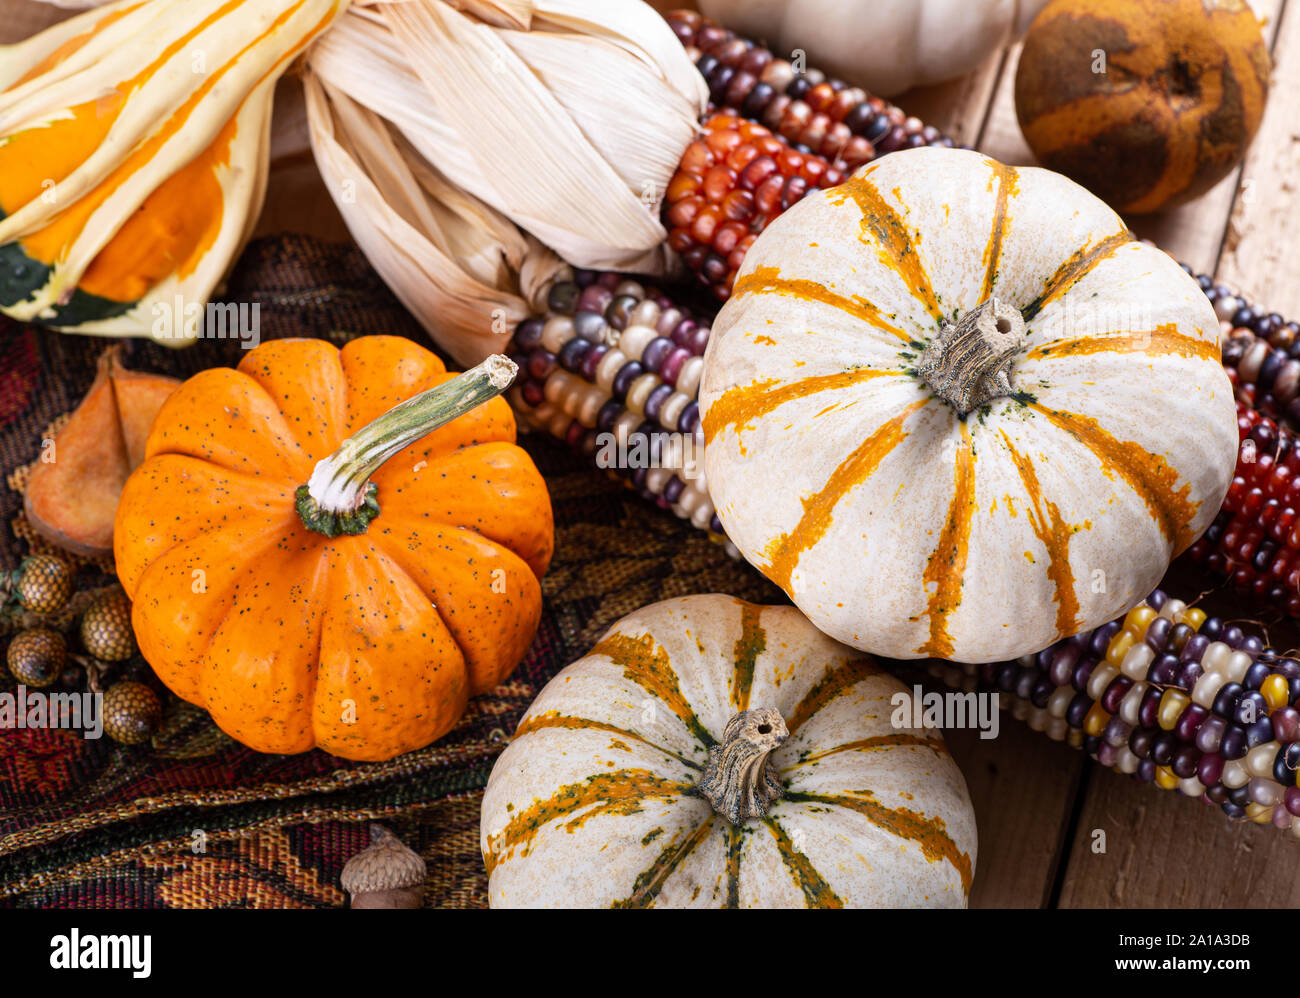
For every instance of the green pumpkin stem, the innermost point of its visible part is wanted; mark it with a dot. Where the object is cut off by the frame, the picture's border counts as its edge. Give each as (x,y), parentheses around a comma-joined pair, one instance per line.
(969,362)
(738,780)
(339,498)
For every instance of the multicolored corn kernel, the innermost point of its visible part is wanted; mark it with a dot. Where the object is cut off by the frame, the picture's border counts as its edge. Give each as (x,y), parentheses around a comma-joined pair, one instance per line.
(1173,697)
(732,181)
(844,124)
(613,369)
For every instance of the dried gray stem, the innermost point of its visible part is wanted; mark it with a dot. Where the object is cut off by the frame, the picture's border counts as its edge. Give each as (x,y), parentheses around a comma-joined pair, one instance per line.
(968,363)
(738,781)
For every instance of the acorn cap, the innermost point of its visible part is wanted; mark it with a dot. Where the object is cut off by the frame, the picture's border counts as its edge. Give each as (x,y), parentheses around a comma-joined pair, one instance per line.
(385,865)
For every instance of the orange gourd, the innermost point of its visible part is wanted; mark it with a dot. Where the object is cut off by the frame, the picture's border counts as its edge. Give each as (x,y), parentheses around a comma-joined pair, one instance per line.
(312,565)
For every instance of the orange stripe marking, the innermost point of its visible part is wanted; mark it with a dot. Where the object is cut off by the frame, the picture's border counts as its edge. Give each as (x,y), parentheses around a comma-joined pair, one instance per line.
(1150,475)
(885,229)
(1054,534)
(947,564)
(768,280)
(742,405)
(783,553)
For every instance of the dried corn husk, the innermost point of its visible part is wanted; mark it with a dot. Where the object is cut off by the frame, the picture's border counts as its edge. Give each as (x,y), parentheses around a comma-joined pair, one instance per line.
(133,157)
(465,270)
(565,118)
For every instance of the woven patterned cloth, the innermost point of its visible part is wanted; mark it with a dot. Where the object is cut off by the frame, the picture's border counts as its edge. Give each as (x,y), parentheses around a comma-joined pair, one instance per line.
(197,820)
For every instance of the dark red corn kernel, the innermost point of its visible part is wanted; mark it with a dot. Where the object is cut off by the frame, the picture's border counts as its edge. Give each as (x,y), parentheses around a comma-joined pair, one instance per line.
(1149,709)
(534,393)
(575,434)
(1286,724)
(1210,734)
(1209,768)
(1291,800)
(528,333)
(541,362)
(1216,794)
(1190,721)
(1178,638)
(1140,742)
(591,360)
(1115,693)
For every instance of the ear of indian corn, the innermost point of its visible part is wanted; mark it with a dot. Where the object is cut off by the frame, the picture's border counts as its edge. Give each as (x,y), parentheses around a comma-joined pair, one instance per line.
(1173,697)
(134,141)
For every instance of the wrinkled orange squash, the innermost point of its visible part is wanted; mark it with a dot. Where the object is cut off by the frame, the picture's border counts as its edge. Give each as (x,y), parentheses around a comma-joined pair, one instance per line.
(361,629)
(1147,103)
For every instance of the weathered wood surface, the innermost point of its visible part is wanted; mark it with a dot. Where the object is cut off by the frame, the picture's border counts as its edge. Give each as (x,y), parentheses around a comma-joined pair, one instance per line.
(1041,805)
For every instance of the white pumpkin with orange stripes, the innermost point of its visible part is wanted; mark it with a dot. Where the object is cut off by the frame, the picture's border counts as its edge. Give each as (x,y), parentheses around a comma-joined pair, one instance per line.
(709,752)
(955,409)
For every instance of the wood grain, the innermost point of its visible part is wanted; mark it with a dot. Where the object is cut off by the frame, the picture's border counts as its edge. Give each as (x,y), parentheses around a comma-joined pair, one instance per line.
(1023,787)
(1259,258)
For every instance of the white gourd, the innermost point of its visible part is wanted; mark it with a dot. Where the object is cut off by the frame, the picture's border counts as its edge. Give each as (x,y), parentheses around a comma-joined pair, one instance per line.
(709,752)
(885,46)
(955,409)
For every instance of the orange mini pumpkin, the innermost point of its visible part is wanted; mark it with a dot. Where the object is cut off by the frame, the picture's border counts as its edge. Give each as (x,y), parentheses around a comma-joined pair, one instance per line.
(319,566)
(1147,103)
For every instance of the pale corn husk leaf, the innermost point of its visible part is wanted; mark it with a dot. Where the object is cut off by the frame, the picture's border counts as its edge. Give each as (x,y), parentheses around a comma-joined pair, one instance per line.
(466,271)
(184,91)
(567,116)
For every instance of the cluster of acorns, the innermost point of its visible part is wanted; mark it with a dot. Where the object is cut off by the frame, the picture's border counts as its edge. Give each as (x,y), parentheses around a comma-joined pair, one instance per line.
(38,655)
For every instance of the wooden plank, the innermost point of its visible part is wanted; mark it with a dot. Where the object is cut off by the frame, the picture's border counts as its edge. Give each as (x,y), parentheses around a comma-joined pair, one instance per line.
(1259,258)
(1023,787)
(957,108)
(1165,851)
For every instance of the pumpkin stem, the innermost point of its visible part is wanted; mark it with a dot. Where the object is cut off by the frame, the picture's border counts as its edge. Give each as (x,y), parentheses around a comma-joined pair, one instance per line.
(737,779)
(968,363)
(339,498)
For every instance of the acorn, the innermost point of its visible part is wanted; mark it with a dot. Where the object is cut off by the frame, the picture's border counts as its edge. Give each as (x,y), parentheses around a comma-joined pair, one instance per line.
(132,713)
(43,583)
(386,874)
(37,656)
(106,628)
